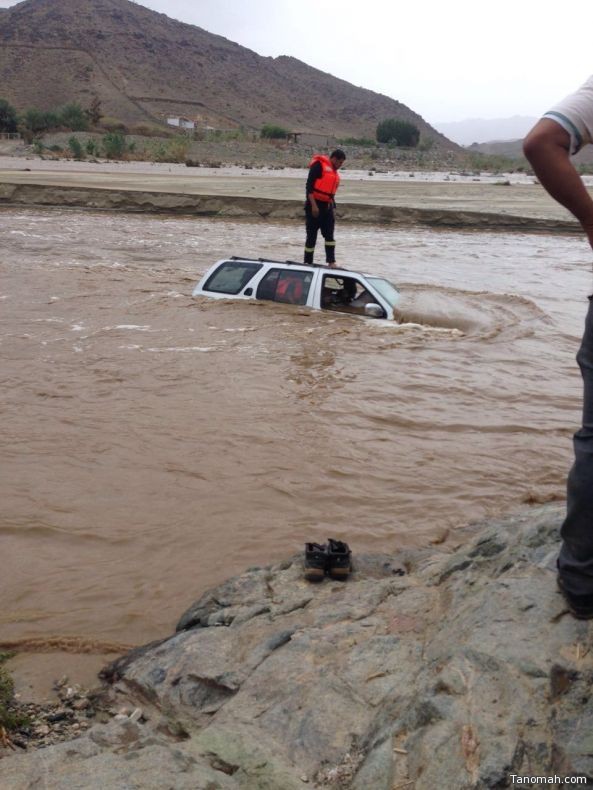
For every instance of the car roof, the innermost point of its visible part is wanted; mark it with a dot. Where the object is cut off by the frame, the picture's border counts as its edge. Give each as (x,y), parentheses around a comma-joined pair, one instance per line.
(333,270)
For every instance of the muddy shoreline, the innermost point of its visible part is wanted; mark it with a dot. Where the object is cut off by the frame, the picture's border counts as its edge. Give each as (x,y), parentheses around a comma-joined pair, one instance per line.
(447,199)
(242,207)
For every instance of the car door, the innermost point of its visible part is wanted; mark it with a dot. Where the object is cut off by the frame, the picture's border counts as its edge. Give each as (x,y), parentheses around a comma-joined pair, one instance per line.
(347,293)
(287,285)
(229,278)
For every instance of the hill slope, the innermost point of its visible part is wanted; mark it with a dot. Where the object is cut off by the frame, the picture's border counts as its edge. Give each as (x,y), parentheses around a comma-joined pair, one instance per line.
(143,65)
(482,130)
(513,149)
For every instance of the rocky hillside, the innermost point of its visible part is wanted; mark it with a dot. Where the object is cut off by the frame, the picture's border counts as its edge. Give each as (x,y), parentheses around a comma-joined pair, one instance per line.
(513,149)
(143,66)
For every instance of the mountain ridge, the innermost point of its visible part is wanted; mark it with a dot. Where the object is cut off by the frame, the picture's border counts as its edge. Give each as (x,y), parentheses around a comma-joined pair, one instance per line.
(143,66)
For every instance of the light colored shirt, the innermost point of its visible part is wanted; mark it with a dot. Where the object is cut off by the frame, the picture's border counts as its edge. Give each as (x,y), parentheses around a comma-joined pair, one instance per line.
(575,115)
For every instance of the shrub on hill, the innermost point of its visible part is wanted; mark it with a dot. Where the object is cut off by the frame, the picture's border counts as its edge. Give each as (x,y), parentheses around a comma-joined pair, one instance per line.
(495,163)
(398,132)
(92,147)
(114,145)
(76,148)
(73,117)
(364,142)
(272,132)
(8,117)
(170,151)
(37,121)
(113,125)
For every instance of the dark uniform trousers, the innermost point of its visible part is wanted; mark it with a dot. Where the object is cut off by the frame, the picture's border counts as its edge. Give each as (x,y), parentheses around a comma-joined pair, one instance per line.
(324,223)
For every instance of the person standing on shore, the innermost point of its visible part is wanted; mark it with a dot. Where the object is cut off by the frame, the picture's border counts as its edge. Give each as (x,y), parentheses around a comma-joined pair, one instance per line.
(563,131)
(322,184)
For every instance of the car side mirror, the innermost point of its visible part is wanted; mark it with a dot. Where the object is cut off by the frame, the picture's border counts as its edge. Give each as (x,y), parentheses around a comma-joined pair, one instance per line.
(248,292)
(374,310)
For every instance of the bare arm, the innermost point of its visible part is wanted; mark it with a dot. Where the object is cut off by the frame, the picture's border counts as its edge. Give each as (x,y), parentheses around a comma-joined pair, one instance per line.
(547,149)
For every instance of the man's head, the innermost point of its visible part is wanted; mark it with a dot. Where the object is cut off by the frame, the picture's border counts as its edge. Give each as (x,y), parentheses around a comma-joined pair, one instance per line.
(337,158)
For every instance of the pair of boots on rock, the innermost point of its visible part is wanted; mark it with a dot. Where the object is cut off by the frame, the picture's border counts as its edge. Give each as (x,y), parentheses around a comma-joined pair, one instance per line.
(333,559)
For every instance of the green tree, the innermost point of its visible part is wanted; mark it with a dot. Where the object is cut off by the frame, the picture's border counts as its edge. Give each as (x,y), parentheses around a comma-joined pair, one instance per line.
(75,147)
(8,117)
(37,121)
(92,147)
(73,117)
(392,130)
(270,131)
(114,144)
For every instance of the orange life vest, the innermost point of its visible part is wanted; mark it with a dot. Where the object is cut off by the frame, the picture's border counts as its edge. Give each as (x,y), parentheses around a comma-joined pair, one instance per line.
(290,289)
(325,187)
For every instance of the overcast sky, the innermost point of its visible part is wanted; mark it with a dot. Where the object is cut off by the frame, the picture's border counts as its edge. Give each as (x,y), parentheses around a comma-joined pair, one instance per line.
(447,61)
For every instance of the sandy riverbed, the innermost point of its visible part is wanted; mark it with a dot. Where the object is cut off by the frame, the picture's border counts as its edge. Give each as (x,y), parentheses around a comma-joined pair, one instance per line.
(26,181)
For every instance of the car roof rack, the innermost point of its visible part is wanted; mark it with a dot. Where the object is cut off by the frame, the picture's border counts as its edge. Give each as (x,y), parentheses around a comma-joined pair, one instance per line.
(290,263)
(268,260)
(295,263)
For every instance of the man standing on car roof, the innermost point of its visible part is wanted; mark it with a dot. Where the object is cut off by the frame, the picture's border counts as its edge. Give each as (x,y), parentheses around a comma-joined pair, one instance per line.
(322,184)
(562,131)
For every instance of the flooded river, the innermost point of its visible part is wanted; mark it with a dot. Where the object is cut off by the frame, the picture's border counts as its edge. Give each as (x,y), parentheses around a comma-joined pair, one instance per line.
(154,444)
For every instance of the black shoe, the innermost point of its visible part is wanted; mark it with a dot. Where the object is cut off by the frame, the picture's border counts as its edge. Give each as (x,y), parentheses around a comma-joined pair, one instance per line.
(339,564)
(315,561)
(581,606)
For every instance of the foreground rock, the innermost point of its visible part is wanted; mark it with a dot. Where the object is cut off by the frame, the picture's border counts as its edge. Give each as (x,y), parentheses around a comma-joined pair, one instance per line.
(429,670)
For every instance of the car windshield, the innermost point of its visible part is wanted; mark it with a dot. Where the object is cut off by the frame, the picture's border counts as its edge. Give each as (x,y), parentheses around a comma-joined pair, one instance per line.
(387,290)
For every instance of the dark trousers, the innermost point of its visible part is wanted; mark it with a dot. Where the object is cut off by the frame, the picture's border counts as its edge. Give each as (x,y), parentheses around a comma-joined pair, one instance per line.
(575,563)
(324,223)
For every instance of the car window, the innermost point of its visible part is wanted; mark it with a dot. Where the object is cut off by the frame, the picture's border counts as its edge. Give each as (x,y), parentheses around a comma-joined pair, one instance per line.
(344,294)
(387,290)
(284,285)
(231,277)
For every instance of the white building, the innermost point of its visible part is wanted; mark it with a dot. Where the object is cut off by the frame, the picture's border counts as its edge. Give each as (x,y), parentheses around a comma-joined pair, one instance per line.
(181,122)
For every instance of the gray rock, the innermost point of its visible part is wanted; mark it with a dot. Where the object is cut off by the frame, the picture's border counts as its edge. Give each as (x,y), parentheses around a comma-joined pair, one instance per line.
(468,661)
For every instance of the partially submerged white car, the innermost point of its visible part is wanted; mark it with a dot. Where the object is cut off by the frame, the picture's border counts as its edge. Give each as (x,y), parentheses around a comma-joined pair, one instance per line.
(289,282)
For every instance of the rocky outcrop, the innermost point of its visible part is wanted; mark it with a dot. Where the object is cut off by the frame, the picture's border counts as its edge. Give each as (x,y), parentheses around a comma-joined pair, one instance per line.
(426,670)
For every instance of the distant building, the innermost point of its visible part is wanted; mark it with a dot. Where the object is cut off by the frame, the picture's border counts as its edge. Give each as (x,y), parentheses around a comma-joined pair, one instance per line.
(181,122)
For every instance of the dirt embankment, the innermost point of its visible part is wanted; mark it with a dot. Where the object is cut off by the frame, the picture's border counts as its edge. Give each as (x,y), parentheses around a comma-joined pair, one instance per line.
(264,208)
(446,200)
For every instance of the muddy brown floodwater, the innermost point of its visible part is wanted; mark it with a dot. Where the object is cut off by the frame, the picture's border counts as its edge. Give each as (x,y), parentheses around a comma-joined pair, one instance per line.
(154,444)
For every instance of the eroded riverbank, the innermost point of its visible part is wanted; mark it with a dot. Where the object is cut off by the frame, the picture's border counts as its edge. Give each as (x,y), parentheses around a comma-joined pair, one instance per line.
(430,200)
